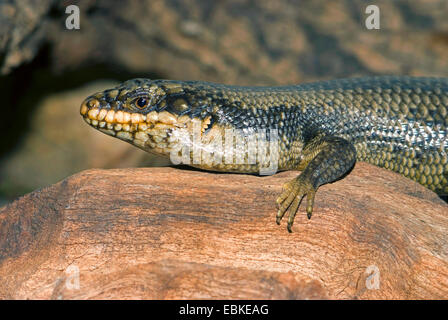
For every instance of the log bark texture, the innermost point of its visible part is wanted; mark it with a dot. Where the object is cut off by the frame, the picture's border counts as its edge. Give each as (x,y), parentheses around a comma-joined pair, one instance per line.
(171,233)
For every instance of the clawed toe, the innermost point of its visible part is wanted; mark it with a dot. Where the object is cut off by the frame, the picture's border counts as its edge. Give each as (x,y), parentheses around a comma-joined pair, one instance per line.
(291,197)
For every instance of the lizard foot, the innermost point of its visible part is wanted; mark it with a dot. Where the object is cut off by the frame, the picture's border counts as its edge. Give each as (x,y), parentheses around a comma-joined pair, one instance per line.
(291,197)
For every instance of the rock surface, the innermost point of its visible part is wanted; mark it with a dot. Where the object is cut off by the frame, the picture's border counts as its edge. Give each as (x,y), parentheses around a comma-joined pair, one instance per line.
(167,233)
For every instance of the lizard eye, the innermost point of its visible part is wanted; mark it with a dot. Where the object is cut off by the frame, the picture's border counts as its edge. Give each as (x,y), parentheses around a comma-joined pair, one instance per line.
(141,102)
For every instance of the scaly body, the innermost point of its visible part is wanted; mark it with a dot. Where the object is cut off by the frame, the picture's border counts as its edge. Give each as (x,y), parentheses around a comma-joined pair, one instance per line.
(322,128)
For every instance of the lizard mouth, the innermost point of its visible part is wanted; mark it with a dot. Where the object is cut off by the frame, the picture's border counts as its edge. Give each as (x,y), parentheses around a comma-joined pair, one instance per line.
(150,132)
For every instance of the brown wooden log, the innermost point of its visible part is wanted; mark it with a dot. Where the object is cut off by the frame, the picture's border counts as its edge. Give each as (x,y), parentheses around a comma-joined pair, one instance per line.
(166,233)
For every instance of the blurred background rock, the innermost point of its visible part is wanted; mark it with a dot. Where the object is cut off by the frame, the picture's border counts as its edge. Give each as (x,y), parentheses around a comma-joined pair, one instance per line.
(47,70)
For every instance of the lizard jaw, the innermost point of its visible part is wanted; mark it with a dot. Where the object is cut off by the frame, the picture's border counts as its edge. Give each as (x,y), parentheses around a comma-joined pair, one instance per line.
(151,132)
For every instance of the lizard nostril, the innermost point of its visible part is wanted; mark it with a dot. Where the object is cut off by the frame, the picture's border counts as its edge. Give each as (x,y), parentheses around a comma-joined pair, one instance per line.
(93,103)
(89,104)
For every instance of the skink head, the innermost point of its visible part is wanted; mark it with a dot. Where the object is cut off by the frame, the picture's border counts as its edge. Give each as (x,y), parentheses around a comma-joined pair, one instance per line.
(145,113)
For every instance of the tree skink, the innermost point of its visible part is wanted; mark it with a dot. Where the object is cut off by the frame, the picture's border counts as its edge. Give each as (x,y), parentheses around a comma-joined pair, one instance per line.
(320,128)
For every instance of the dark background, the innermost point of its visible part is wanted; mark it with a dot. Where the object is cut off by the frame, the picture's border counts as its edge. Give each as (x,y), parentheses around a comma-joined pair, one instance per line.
(46,70)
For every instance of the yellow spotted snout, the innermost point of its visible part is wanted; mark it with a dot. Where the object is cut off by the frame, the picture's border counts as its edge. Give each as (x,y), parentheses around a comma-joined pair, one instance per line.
(152,132)
(97,116)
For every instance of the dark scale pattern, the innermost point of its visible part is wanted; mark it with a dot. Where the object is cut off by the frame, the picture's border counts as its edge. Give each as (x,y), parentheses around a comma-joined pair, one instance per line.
(399,123)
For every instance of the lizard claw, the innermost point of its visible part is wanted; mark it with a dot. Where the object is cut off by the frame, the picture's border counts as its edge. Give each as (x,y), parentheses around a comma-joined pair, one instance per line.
(291,197)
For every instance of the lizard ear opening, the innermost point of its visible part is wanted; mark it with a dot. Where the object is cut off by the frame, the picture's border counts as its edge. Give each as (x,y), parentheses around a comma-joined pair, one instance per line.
(210,124)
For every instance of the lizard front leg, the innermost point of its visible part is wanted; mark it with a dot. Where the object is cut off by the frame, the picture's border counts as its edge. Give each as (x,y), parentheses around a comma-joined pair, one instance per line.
(324,159)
